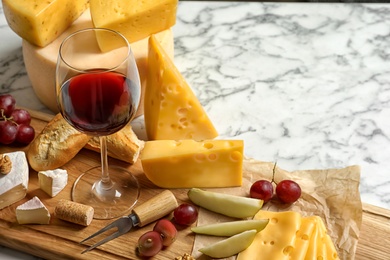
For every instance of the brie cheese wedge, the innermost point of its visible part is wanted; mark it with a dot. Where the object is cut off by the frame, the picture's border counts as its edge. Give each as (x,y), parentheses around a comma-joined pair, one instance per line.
(53,181)
(13,186)
(32,212)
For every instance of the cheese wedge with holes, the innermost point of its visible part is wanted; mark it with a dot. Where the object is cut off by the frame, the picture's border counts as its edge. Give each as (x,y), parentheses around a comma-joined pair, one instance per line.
(14,185)
(53,181)
(189,163)
(171,108)
(32,212)
(134,19)
(277,240)
(42,61)
(40,22)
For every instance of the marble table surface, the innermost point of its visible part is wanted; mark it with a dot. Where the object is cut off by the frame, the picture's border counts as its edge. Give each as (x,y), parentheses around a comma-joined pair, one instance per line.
(303,84)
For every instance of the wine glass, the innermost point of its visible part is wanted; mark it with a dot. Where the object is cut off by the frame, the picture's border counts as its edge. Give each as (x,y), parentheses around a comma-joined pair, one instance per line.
(98,92)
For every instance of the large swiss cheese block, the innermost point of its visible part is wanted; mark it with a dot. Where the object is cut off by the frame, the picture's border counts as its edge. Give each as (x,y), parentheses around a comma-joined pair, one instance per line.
(134,19)
(13,186)
(190,163)
(40,22)
(172,110)
(41,62)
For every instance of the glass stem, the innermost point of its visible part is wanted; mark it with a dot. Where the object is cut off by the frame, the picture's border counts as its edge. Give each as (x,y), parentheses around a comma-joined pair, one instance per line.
(105,182)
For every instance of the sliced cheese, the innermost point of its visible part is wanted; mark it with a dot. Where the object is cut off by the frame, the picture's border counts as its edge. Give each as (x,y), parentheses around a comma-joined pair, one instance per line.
(325,246)
(171,108)
(277,240)
(189,163)
(32,212)
(53,181)
(133,18)
(13,186)
(302,241)
(40,22)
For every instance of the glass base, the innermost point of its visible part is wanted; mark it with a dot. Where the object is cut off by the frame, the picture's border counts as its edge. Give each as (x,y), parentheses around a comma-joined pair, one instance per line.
(112,200)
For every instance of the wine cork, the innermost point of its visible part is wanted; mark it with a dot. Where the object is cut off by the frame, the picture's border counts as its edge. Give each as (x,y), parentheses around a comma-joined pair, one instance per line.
(74,212)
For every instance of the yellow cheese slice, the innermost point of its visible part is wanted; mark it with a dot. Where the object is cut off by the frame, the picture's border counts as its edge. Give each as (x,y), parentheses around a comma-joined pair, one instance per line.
(41,62)
(325,247)
(40,22)
(277,240)
(302,241)
(188,163)
(135,19)
(171,109)
(313,248)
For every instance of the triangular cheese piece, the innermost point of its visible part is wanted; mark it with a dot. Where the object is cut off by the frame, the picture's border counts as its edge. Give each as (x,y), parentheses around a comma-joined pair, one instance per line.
(171,109)
(33,212)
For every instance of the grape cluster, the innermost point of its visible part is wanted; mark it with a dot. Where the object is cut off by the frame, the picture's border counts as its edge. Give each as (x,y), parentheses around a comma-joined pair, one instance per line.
(14,123)
(287,191)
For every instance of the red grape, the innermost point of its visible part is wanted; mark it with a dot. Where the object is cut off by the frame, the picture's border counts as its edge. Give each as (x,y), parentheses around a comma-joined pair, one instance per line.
(288,191)
(262,190)
(8,131)
(25,134)
(149,244)
(167,230)
(185,214)
(7,105)
(21,116)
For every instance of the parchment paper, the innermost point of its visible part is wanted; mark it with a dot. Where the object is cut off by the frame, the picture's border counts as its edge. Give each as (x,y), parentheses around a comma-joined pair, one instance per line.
(332,194)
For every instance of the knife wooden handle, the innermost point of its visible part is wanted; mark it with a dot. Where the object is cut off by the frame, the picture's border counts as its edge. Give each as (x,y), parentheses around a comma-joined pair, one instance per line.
(156,208)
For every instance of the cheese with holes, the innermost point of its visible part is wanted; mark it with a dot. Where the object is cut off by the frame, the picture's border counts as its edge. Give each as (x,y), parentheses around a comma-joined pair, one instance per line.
(189,163)
(32,212)
(290,236)
(171,108)
(53,181)
(42,61)
(134,19)
(40,22)
(303,236)
(277,240)
(13,186)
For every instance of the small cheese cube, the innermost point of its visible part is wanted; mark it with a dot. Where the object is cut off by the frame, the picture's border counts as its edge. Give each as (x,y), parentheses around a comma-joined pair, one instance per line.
(32,212)
(133,18)
(40,22)
(188,163)
(13,186)
(53,181)
(171,108)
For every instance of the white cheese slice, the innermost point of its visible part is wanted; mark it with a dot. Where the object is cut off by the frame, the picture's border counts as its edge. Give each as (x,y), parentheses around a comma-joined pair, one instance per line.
(53,181)
(13,186)
(32,212)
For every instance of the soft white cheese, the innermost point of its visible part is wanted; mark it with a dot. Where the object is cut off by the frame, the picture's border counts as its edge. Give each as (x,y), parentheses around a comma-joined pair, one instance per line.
(13,186)
(33,212)
(53,181)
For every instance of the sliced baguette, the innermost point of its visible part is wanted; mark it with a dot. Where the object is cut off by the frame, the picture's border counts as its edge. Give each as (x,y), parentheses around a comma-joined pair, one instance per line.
(57,144)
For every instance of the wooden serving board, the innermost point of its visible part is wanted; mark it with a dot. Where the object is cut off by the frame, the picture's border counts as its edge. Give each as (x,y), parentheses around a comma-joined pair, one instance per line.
(60,239)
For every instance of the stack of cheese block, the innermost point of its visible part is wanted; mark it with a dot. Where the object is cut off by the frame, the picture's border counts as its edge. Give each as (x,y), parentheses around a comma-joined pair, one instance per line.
(43,25)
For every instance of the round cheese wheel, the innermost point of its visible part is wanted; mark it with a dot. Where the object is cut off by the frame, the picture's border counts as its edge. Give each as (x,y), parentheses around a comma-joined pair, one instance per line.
(41,62)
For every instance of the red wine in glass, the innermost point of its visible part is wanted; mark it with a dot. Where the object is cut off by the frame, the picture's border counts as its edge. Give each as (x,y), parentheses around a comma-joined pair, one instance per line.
(99,102)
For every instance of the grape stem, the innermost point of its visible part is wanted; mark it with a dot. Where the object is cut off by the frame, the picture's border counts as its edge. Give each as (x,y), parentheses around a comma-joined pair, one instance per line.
(273,174)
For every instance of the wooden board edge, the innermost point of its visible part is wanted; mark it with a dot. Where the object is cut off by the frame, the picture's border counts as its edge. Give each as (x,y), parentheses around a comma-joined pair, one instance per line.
(45,245)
